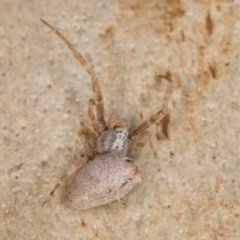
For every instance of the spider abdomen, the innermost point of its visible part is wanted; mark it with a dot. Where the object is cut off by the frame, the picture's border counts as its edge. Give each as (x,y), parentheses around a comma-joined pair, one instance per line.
(106,178)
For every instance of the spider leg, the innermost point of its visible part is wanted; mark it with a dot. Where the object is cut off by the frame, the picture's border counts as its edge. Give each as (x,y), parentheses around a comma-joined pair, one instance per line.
(141,142)
(115,120)
(88,147)
(162,127)
(97,95)
(92,118)
(158,115)
(73,168)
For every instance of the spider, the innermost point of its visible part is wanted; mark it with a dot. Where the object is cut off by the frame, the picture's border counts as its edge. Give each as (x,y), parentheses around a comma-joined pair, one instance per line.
(108,174)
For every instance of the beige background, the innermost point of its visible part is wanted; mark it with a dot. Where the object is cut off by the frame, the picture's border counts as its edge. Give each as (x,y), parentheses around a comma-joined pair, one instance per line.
(192,185)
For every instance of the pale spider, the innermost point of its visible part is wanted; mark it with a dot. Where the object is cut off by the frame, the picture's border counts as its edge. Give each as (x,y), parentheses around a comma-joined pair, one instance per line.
(108,174)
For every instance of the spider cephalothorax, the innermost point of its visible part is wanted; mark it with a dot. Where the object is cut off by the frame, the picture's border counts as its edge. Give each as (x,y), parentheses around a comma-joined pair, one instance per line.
(113,140)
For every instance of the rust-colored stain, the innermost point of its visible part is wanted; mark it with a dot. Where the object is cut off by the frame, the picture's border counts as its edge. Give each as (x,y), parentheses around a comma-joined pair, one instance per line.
(83,223)
(162,15)
(209,24)
(213,71)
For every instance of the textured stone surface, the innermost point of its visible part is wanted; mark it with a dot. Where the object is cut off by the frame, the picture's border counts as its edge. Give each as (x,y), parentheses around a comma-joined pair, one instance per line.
(192,185)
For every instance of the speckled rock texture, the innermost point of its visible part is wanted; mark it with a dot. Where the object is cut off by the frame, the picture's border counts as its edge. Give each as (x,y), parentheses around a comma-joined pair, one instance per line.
(192,174)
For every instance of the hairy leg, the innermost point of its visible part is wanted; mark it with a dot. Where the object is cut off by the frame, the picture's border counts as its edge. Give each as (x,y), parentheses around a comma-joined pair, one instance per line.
(116,121)
(86,149)
(72,169)
(162,127)
(141,142)
(92,118)
(158,115)
(97,95)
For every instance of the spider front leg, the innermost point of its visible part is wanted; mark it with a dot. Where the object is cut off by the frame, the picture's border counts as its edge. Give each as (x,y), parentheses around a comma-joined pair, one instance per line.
(72,169)
(92,118)
(116,121)
(142,141)
(97,94)
(158,115)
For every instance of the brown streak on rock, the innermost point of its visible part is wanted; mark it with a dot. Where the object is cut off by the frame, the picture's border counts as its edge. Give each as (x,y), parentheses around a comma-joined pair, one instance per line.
(209,24)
